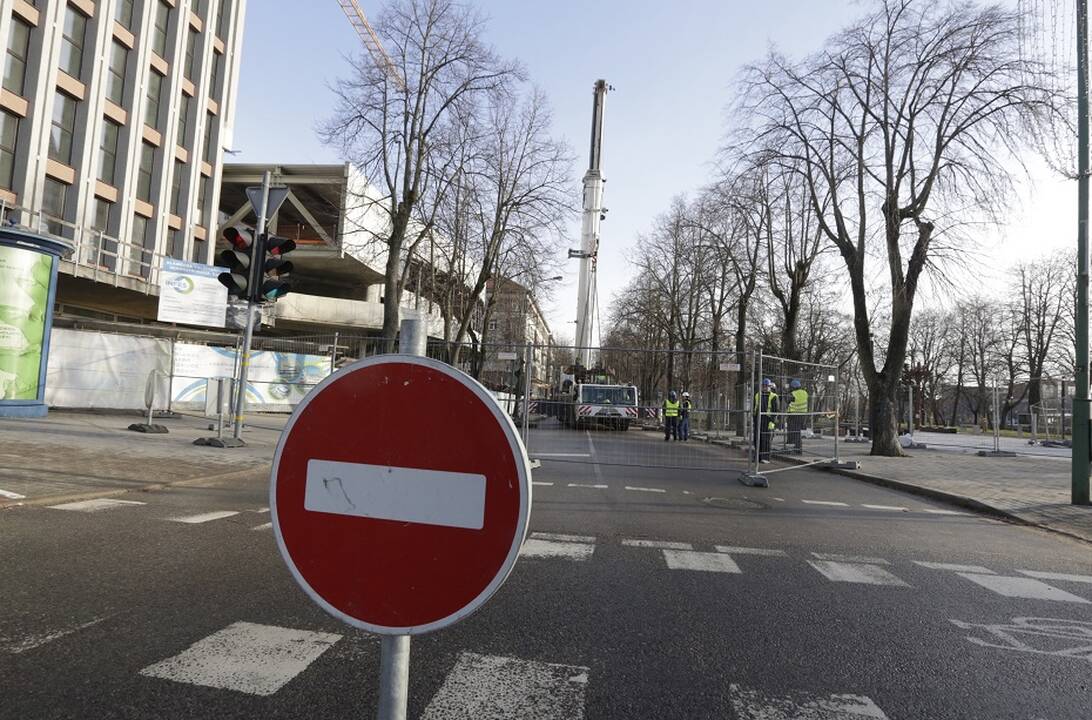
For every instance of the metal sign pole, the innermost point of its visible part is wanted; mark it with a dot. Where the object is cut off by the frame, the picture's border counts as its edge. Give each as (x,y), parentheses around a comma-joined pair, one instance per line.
(758,401)
(528,362)
(837,411)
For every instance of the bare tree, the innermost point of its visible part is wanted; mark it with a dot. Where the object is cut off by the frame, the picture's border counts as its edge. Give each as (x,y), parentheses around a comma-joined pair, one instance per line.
(901,129)
(399,134)
(1045,289)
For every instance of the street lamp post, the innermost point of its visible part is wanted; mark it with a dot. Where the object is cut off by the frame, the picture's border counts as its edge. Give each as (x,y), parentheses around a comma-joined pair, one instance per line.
(1079,463)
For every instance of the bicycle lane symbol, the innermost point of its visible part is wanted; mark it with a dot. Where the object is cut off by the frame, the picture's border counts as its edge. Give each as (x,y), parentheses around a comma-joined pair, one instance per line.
(1042,636)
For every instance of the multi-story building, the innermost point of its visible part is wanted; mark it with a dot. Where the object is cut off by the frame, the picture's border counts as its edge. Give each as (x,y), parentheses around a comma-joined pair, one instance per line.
(515,322)
(114,117)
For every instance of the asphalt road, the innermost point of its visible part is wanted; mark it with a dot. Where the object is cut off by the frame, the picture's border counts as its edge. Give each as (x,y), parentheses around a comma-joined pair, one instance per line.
(644,592)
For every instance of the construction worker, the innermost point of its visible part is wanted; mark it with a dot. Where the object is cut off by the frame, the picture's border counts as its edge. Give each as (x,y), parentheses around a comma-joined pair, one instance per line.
(684,417)
(671,416)
(797,409)
(766,399)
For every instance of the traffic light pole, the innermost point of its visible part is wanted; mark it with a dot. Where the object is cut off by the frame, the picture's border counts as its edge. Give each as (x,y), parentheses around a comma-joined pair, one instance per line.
(256,264)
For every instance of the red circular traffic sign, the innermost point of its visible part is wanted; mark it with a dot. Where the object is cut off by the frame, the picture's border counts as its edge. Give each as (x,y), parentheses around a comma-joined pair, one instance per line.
(400,494)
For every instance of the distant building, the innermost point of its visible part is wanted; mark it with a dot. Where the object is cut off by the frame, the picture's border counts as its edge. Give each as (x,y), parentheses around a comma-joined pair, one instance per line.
(515,322)
(114,117)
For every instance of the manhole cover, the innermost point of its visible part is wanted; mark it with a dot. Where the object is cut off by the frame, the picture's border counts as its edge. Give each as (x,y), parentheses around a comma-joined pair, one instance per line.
(733,503)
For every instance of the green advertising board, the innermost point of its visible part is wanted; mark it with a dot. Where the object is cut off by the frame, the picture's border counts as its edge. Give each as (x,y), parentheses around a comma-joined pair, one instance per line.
(24,306)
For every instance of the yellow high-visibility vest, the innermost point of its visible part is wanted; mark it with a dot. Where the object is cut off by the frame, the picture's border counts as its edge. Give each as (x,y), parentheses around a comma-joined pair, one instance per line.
(798,402)
(671,409)
(771,398)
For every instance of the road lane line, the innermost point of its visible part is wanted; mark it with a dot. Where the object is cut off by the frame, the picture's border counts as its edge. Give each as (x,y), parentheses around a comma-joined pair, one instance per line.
(658,544)
(851,558)
(934,511)
(751,704)
(1022,587)
(560,537)
(778,499)
(977,569)
(644,489)
(856,573)
(15,647)
(588,485)
(204,517)
(11,495)
(491,687)
(245,657)
(94,505)
(700,561)
(825,502)
(541,483)
(266,526)
(262,510)
(542,454)
(898,508)
(1065,577)
(594,460)
(539,548)
(734,550)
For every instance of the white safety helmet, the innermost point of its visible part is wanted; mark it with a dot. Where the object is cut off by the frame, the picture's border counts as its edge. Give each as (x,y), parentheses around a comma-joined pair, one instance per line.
(686,394)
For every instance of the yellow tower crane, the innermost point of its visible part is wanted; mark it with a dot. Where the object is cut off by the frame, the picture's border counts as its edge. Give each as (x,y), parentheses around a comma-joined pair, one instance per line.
(370,40)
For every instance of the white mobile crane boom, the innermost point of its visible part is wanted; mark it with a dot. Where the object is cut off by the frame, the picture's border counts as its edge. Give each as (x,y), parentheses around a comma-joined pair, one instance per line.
(594,213)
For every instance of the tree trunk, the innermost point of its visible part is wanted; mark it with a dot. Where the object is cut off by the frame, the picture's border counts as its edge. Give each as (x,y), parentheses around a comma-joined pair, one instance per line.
(392,288)
(883,421)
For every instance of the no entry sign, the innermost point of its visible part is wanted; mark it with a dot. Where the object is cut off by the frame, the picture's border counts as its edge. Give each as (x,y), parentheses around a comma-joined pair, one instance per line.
(400,494)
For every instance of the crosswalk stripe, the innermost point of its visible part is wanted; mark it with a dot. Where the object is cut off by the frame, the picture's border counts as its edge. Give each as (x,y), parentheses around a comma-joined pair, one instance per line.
(851,558)
(752,704)
(204,517)
(245,657)
(855,573)
(700,561)
(825,502)
(733,550)
(1064,577)
(658,544)
(490,687)
(560,537)
(1022,587)
(977,569)
(94,505)
(538,548)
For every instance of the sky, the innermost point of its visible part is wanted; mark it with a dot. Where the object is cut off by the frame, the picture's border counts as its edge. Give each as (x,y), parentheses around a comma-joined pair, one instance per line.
(672,65)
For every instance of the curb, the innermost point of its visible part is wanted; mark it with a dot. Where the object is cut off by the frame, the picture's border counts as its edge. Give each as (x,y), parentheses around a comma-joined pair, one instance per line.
(963,501)
(114,492)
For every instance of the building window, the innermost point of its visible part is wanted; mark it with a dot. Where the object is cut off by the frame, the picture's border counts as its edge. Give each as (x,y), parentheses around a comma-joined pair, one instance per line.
(106,250)
(176,188)
(54,199)
(214,77)
(159,28)
(108,151)
(9,134)
(115,77)
(72,38)
(123,13)
(197,252)
(64,125)
(144,173)
(183,120)
(15,71)
(202,189)
(155,92)
(138,238)
(190,68)
(178,244)
(223,14)
(210,151)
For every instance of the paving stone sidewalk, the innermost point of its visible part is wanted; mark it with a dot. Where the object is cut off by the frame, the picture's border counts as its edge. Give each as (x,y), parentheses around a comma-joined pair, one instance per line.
(75,454)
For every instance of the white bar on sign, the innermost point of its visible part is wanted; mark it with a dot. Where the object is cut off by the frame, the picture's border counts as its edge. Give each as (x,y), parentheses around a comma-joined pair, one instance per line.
(383,492)
(507,356)
(729,367)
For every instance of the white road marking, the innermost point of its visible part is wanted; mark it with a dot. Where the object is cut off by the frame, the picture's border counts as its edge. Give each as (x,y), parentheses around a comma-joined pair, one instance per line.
(732,549)
(402,494)
(94,505)
(658,544)
(700,561)
(595,461)
(15,647)
(489,687)
(537,548)
(267,526)
(543,484)
(778,499)
(644,489)
(855,573)
(755,705)
(245,657)
(934,511)
(11,495)
(977,569)
(262,510)
(1022,587)
(588,485)
(825,502)
(687,492)
(851,558)
(541,454)
(898,508)
(560,537)
(204,517)
(1064,577)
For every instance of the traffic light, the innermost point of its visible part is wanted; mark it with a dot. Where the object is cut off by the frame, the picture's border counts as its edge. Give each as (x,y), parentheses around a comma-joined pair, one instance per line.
(275,267)
(237,260)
